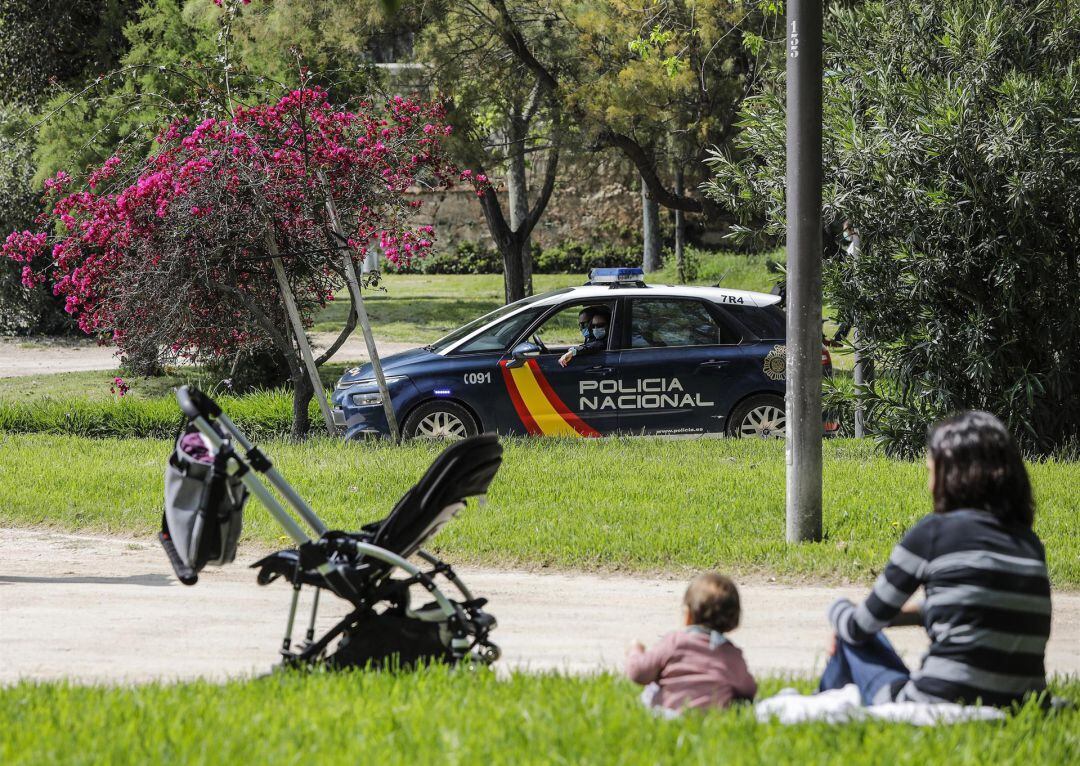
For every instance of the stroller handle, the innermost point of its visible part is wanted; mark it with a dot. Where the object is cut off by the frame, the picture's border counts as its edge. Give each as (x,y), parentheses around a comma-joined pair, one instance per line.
(194,403)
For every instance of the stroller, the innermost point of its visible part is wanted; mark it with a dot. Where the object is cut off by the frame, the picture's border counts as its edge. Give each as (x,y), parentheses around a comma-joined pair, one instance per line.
(206,486)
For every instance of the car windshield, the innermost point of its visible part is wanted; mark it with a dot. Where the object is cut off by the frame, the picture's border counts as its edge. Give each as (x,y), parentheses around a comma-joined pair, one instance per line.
(463,332)
(499,335)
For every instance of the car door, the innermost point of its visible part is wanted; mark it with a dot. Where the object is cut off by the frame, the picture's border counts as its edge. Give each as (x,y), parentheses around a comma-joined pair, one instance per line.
(472,374)
(553,400)
(678,368)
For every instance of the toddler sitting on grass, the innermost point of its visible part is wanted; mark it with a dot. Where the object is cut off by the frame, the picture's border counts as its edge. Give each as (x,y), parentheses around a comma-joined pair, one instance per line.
(696,667)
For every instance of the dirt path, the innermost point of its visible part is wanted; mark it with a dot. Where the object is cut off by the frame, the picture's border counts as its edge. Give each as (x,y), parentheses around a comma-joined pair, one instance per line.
(94,608)
(40,356)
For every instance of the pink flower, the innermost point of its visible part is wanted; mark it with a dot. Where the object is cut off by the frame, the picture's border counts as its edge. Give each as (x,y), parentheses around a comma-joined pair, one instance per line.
(119,387)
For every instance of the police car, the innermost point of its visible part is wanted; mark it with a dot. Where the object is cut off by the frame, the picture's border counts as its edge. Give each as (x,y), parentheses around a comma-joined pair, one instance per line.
(676,360)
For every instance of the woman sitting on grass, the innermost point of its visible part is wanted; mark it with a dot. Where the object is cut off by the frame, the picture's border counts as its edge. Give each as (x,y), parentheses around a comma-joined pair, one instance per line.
(987,607)
(697,666)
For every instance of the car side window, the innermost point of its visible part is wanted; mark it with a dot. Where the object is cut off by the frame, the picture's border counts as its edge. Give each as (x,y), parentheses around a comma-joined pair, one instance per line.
(562,329)
(766,322)
(656,323)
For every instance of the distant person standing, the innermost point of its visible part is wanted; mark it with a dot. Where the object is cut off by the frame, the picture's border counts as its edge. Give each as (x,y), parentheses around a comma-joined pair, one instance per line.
(852,246)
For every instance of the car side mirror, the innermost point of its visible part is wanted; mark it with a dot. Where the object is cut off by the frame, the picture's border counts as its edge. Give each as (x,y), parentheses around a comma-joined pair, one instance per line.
(521,353)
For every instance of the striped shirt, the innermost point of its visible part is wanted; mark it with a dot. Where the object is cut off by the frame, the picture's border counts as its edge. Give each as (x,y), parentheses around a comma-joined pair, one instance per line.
(987,607)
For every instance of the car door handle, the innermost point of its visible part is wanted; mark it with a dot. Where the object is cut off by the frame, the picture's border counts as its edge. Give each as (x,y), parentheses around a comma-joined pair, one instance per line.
(599,371)
(713,365)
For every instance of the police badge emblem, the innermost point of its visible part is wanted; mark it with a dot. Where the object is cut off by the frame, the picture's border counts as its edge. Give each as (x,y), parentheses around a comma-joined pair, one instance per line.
(775,365)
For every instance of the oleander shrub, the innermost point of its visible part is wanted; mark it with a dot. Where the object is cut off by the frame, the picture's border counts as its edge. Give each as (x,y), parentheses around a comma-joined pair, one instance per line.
(951,141)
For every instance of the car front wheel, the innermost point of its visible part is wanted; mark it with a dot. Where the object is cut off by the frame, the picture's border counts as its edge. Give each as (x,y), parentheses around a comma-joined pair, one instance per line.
(440,420)
(761,417)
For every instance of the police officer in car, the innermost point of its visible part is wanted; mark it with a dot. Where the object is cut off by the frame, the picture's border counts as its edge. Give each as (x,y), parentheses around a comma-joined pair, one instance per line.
(593,322)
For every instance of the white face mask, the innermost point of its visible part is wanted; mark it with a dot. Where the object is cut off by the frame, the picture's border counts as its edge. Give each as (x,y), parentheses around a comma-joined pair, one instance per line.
(599,332)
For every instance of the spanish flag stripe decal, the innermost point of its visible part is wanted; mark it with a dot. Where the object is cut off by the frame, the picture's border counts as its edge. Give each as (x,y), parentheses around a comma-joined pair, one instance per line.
(541,409)
(579,425)
(519,405)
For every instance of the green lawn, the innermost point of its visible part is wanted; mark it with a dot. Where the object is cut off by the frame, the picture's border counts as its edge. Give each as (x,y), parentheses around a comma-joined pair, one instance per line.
(612,504)
(420,308)
(440,716)
(93,385)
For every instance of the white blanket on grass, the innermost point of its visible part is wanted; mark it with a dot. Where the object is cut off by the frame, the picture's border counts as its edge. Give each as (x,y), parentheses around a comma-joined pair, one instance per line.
(844,705)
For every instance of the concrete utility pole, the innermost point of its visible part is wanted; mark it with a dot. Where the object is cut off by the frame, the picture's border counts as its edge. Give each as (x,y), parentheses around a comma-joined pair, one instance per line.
(804,426)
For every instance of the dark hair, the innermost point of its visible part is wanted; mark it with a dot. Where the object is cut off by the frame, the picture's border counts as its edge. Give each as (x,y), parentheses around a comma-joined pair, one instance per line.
(713,601)
(978,465)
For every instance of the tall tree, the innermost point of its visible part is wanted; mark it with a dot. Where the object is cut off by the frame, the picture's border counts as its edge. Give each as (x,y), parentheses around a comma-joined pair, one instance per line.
(505,115)
(653,79)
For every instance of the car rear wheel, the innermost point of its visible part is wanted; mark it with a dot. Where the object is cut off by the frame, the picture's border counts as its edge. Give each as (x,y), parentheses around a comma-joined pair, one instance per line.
(440,420)
(761,417)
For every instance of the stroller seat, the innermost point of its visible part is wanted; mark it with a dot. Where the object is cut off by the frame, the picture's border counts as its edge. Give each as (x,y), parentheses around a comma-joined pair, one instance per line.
(464,469)
(359,567)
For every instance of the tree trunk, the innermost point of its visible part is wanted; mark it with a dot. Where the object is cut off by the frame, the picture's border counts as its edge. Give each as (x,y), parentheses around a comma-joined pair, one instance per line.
(680,230)
(513,278)
(303,392)
(517,187)
(650,230)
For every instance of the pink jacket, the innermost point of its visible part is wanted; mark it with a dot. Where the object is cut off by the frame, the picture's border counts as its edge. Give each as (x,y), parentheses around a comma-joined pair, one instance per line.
(692,672)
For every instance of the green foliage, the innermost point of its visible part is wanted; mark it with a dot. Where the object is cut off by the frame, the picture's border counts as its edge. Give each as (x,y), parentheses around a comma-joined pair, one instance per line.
(648,504)
(745,272)
(579,258)
(163,72)
(22,310)
(441,715)
(464,258)
(171,67)
(668,74)
(264,414)
(951,142)
(49,43)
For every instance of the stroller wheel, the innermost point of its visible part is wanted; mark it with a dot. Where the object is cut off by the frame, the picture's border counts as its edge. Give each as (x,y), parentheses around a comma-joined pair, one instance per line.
(490,653)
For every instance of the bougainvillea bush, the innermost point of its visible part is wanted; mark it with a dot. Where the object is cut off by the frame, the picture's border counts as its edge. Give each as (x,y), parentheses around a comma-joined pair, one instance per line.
(169,255)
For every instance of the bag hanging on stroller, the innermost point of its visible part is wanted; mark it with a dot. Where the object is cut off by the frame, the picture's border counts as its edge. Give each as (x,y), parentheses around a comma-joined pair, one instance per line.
(203,507)
(205,492)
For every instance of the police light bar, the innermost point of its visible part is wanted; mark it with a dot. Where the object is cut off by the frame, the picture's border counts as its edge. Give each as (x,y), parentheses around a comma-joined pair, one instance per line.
(616,276)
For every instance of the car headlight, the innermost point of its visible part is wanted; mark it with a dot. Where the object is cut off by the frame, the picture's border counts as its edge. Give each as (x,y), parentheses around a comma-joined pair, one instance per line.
(367,398)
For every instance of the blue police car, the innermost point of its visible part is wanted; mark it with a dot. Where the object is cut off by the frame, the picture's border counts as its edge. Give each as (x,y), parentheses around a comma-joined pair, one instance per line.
(674,360)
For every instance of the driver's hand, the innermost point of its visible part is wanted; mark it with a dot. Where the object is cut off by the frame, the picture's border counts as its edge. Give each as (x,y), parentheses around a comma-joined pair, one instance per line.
(565,359)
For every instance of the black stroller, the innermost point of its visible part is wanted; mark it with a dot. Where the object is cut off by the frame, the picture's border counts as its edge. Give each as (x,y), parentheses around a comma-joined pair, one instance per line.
(206,485)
